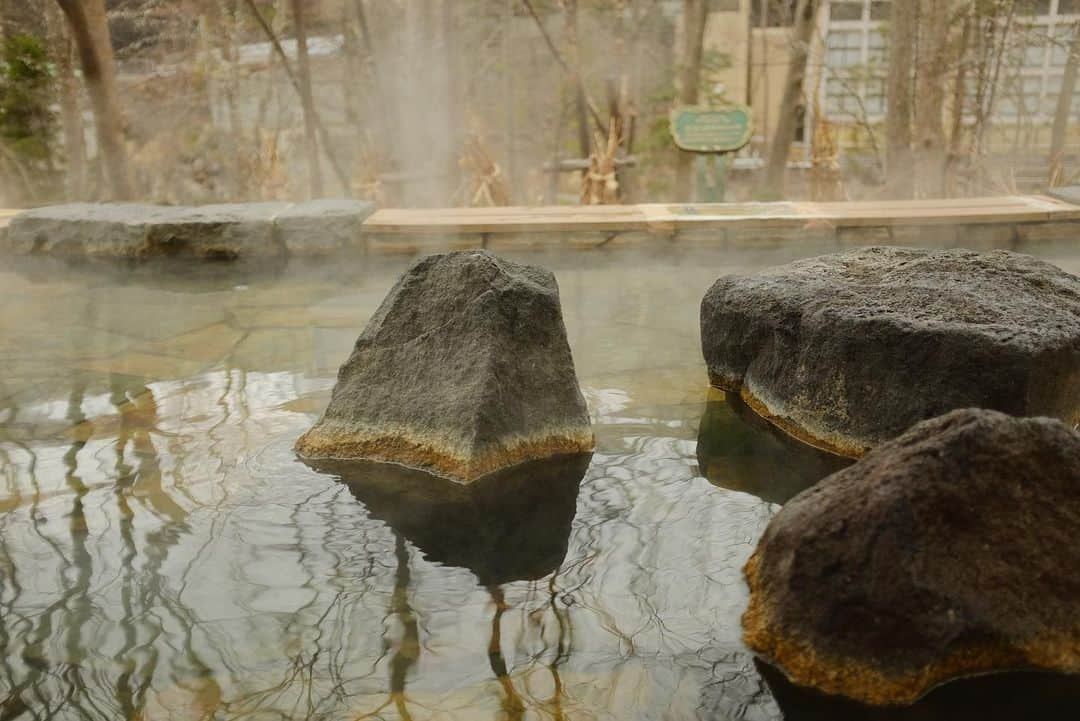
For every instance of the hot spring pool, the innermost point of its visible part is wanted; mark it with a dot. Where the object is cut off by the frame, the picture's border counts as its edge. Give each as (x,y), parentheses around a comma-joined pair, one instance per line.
(163,554)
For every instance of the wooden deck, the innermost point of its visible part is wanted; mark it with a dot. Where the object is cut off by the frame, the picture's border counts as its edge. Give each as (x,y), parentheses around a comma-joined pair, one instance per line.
(665,218)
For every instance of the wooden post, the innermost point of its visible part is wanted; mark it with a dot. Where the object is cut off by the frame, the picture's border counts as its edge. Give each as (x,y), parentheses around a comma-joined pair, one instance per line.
(784,135)
(898,162)
(508,98)
(930,155)
(695,14)
(1063,111)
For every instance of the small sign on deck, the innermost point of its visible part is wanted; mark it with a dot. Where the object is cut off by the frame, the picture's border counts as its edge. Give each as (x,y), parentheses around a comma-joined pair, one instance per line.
(712,130)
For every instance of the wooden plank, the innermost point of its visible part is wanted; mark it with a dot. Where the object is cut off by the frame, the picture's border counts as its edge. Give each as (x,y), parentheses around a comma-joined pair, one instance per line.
(669,217)
(507,220)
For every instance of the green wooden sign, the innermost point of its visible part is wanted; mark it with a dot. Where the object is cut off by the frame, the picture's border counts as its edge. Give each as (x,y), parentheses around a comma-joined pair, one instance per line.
(712,130)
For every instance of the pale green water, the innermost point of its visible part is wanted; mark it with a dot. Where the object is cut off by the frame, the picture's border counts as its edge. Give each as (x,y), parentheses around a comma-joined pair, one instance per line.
(164,555)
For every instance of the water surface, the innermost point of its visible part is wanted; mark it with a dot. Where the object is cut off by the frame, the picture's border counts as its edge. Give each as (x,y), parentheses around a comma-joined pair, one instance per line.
(163,553)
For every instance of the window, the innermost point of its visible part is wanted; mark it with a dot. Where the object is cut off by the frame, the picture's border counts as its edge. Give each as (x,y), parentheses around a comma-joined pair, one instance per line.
(1034,50)
(1021,97)
(1034,7)
(856,58)
(779,13)
(844,49)
(880,10)
(878,49)
(840,97)
(1050,98)
(1059,46)
(845,10)
(875,96)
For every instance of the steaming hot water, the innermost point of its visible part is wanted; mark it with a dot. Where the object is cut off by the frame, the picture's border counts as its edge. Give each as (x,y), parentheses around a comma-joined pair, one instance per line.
(163,554)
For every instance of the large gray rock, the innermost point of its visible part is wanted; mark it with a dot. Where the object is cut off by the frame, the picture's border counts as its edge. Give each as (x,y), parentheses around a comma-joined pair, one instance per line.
(321,227)
(135,231)
(947,552)
(848,350)
(463,370)
(227,231)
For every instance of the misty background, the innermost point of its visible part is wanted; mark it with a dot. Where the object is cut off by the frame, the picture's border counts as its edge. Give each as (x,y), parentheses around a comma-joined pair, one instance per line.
(428,103)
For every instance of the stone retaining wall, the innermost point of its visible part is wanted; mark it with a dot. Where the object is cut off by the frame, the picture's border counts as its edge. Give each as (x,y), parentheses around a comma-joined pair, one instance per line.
(212,232)
(325,227)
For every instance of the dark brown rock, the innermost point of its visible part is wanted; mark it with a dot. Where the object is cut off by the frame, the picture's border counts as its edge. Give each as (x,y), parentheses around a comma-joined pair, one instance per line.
(848,350)
(463,370)
(949,551)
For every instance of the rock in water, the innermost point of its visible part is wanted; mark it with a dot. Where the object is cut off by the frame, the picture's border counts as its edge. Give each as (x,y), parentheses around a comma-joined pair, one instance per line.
(949,551)
(463,370)
(848,350)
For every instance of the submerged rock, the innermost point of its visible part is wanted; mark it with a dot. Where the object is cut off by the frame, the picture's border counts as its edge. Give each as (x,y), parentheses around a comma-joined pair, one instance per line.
(846,351)
(949,551)
(740,451)
(464,369)
(511,525)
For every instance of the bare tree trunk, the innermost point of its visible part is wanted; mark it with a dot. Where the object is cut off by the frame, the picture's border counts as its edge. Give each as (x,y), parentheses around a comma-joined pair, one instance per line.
(508,98)
(1063,111)
(955,159)
(695,14)
(453,109)
(930,149)
(303,73)
(903,24)
(784,135)
(70,114)
(86,19)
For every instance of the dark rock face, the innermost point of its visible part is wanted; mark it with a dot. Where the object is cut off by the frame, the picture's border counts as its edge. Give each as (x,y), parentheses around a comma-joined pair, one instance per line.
(511,525)
(949,551)
(999,697)
(740,451)
(463,370)
(845,351)
(228,231)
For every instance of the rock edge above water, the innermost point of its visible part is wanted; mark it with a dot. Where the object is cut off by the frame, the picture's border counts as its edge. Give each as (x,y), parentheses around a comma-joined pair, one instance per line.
(135,231)
(464,369)
(950,551)
(845,351)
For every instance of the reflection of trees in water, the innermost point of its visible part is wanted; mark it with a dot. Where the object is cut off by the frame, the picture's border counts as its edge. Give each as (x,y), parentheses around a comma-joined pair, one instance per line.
(158,539)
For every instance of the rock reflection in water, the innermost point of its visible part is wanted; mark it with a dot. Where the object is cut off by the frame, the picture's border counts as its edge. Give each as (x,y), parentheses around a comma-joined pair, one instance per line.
(739,450)
(512,525)
(998,697)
